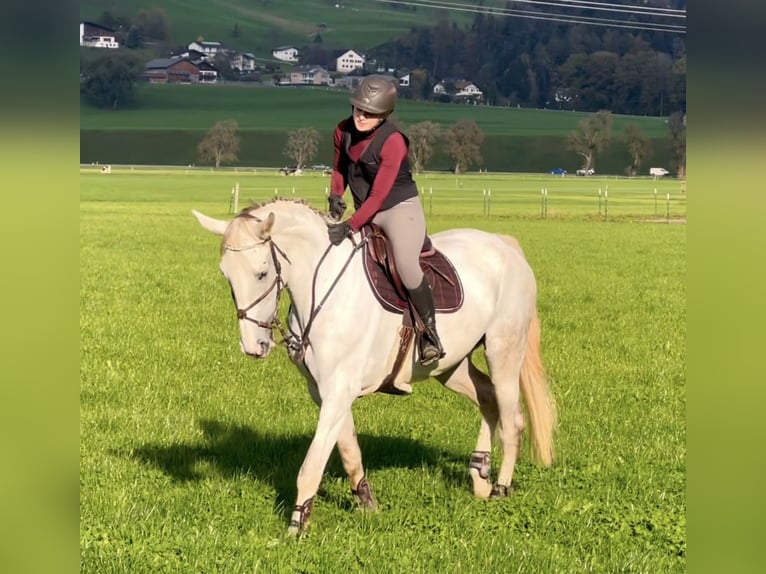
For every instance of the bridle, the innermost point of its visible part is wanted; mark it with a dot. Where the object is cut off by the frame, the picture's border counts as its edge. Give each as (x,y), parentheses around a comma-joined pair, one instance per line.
(296,343)
(277,283)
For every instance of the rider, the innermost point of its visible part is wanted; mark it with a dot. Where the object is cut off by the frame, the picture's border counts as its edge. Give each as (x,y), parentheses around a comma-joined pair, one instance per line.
(371,159)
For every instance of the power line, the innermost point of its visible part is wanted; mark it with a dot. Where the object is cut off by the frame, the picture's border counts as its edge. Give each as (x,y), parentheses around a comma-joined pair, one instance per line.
(552,17)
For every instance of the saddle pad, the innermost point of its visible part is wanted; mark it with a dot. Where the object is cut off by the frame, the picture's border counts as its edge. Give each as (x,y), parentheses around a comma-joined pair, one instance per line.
(441,274)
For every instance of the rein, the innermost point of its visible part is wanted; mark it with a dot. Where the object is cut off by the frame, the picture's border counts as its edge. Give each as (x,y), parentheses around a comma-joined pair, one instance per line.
(297,343)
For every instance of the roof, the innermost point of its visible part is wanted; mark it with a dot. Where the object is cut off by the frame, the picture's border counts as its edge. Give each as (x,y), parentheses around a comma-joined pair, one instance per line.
(280,48)
(94,25)
(164,63)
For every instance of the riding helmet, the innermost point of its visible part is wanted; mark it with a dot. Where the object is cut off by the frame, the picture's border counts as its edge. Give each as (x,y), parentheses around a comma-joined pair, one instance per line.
(375,94)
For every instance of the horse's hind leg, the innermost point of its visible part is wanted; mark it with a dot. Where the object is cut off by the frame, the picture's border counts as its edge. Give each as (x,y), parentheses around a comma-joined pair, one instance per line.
(467,380)
(505,354)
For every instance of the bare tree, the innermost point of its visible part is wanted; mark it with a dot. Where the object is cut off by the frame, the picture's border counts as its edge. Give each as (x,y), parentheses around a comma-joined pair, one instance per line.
(422,138)
(220,144)
(594,136)
(462,143)
(302,145)
(639,147)
(677,127)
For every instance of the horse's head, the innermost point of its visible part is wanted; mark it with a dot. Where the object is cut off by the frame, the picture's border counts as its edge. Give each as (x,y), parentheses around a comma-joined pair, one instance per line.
(250,262)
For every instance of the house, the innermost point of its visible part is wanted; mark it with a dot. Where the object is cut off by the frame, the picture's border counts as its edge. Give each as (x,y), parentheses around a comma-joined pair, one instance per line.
(404,81)
(210,49)
(97,36)
(349,61)
(242,61)
(171,70)
(309,76)
(458,89)
(467,90)
(286,53)
(207,72)
(193,55)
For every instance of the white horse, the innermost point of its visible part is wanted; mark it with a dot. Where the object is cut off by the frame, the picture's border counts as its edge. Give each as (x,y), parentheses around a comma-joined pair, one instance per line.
(348,342)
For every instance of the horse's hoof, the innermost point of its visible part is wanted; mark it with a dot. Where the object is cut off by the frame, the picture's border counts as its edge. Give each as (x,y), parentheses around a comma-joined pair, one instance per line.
(500,491)
(363,496)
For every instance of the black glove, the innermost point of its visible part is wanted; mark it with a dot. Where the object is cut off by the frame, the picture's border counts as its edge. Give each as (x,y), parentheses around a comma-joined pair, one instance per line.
(338,232)
(337,206)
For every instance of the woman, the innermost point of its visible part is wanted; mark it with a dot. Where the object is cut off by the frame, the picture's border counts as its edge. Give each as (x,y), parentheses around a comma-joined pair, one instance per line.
(371,159)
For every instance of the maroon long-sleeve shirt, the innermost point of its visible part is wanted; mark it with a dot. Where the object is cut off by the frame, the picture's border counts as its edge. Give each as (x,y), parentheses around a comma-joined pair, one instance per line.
(392,154)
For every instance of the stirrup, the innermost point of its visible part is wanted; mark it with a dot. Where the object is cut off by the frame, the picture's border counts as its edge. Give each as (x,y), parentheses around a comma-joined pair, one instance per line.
(430,354)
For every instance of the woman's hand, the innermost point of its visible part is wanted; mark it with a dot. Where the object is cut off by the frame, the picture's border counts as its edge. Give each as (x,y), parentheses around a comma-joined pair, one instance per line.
(337,206)
(338,231)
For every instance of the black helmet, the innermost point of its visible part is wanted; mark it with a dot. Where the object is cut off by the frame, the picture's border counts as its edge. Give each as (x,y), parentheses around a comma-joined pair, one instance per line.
(375,94)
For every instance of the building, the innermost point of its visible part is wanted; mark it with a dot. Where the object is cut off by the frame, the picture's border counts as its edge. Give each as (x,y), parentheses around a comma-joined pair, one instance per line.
(286,53)
(309,76)
(97,36)
(349,61)
(210,49)
(173,70)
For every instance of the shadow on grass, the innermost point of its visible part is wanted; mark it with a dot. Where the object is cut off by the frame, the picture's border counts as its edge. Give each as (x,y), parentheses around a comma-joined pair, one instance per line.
(235,451)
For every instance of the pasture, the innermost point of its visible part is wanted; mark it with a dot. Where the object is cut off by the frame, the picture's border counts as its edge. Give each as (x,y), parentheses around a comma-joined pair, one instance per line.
(189,450)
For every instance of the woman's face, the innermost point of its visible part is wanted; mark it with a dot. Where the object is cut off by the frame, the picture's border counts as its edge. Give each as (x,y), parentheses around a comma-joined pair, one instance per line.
(365,121)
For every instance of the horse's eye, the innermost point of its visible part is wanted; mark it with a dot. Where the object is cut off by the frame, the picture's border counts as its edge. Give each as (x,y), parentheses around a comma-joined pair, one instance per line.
(261,276)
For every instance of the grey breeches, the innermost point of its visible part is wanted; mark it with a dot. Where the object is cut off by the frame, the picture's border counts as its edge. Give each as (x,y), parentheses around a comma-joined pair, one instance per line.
(405,226)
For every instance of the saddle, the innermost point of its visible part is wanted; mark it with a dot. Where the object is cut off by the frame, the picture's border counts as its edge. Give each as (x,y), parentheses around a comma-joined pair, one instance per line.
(384,280)
(380,270)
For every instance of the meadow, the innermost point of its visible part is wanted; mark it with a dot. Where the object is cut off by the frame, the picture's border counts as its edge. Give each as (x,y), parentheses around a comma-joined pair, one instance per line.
(266,24)
(169,122)
(189,450)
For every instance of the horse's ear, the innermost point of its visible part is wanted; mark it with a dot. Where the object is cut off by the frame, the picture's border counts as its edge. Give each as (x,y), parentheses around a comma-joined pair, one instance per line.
(267,225)
(217,226)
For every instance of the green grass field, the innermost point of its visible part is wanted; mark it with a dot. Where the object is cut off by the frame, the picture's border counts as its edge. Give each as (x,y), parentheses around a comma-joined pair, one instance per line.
(189,450)
(172,119)
(269,108)
(266,24)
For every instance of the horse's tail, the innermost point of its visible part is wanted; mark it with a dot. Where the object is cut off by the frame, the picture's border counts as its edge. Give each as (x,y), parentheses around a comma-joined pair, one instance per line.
(537,396)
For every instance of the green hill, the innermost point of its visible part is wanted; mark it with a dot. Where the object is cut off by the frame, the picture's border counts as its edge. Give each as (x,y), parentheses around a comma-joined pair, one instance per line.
(262,25)
(172,119)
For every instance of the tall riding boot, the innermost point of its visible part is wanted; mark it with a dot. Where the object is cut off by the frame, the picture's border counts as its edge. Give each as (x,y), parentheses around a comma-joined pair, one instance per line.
(423,300)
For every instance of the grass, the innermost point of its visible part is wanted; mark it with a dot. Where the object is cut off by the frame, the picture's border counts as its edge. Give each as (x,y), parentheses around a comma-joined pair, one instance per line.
(264,25)
(189,451)
(269,108)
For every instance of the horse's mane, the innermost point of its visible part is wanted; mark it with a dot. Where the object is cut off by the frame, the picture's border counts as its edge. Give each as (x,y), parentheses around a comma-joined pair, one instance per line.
(254,205)
(248,213)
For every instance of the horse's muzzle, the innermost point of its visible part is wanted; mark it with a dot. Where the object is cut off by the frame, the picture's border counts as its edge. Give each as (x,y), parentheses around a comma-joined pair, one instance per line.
(261,350)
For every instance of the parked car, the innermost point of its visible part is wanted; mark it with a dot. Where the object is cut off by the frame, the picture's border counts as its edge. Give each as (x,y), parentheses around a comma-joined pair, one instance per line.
(558,171)
(320,167)
(586,171)
(658,172)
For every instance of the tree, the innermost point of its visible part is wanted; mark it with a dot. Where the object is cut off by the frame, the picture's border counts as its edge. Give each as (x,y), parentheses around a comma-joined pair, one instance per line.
(677,127)
(639,147)
(302,145)
(109,78)
(594,136)
(220,144)
(462,143)
(422,138)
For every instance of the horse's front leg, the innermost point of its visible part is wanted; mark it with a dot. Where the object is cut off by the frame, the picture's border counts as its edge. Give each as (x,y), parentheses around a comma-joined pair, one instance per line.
(333,416)
(350,455)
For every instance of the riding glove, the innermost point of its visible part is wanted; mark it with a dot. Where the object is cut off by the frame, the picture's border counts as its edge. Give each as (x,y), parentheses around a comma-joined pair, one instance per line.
(337,206)
(338,232)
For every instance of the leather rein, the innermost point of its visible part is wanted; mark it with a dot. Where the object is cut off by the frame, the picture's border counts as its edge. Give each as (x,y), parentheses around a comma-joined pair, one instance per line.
(296,343)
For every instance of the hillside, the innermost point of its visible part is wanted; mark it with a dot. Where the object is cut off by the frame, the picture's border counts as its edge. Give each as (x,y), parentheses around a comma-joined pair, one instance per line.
(172,119)
(264,24)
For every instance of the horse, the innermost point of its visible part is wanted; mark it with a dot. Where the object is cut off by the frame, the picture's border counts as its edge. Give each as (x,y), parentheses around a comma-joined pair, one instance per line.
(282,245)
